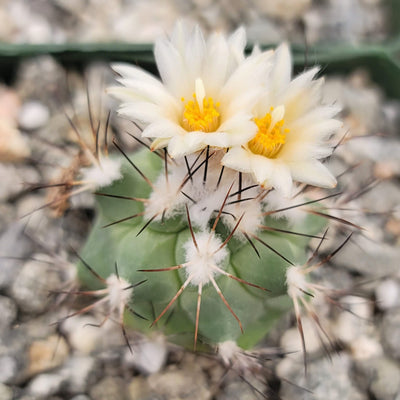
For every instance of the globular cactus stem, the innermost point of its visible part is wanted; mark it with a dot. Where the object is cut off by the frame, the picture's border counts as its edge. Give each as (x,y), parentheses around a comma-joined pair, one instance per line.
(206,216)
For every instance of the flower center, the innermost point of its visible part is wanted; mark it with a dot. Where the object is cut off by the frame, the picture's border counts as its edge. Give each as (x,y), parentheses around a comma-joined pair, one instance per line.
(271,135)
(200,114)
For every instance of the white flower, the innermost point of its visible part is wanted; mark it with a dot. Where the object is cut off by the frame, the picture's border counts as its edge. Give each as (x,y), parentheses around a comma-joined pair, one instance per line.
(206,95)
(293,128)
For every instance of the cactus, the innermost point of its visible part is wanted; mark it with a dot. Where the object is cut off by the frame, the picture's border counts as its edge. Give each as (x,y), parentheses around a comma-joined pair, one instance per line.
(212,213)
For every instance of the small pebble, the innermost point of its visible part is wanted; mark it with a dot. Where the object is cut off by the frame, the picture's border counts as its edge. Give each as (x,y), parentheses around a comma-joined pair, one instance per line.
(82,336)
(8,368)
(325,379)
(390,331)
(14,247)
(33,115)
(78,372)
(47,354)
(187,382)
(109,388)
(6,393)
(80,397)
(32,285)
(149,355)
(8,312)
(380,376)
(349,326)
(291,339)
(387,294)
(45,385)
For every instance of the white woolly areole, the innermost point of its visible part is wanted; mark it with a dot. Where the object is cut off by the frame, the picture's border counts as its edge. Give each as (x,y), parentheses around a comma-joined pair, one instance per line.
(119,293)
(228,351)
(203,259)
(208,201)
(232,355)
(165,196)
(252,212)
(296,281)
(102,174)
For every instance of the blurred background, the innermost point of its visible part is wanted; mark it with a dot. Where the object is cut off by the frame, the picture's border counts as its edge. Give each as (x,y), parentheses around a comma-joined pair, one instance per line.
(266,21)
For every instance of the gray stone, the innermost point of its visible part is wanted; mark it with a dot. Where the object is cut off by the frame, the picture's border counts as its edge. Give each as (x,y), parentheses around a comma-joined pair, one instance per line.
(8,369)
(7,216)
(109,388)
(8,312)
(188,382)
(325,380)
(239,390)
(369,257)
(390,331)
(6,393)
(384,198)
(34,282)
(45,385)
(14,179)
(78,373)
(380,376)
(14,246)
(80,397)
(48,232)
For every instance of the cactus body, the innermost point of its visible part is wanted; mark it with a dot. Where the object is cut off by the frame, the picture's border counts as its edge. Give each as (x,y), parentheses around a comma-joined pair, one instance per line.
(162,245)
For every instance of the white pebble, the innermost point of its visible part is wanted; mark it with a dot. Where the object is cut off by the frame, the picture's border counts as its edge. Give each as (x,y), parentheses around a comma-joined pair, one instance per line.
(291,339)
(82,335)
(366,347)
(33,115)
(149,355)
(387,294)
(45,385)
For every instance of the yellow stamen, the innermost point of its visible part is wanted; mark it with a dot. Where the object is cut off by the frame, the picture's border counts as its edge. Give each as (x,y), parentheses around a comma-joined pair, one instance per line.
(200,114)
(205,120)
(270,136)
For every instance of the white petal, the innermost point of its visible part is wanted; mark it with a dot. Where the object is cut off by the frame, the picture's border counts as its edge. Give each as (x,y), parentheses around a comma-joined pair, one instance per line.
(281,179)
(313,173)
(250,74)
(180,33)
(171,67)
(187,143)
(303,80)
(262,169)
(132,72)
(322,129)
(156,94)
(143,111)
(163,128)
(237,44)
(238,159)
(195,53)
(159,143)
(237,40)
(303,151)
(321,113)
(282,69)
(216,68)
(240,129)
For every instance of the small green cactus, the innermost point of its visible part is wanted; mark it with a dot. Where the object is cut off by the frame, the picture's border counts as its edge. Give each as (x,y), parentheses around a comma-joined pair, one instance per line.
(165,245)
(210,217)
